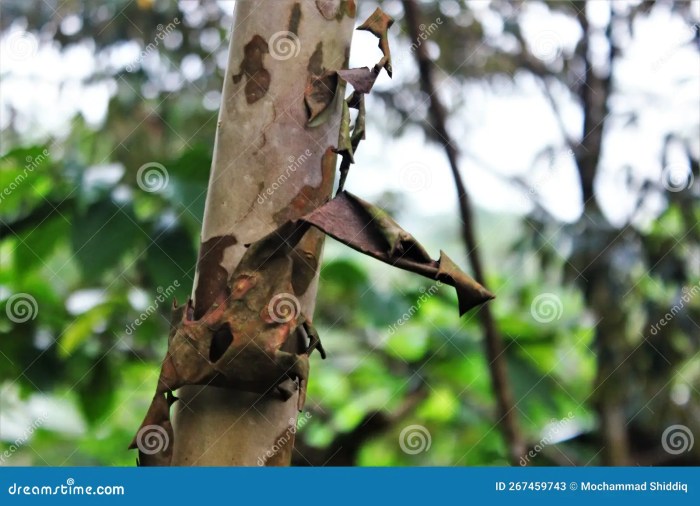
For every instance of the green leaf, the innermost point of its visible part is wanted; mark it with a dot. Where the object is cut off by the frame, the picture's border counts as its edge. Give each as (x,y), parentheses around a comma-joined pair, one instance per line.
(170,262)
(97,390)
(408,342)
(34,247)
(102,235)
(442,405)
(80,329)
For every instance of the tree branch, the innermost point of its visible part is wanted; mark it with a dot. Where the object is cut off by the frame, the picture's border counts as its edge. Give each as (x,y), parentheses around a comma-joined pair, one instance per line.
(493,341)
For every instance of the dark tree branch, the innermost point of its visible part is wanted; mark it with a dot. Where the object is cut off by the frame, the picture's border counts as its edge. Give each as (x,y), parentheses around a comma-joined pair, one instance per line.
(344,449)
(595,263)
(32,220)
(493,341)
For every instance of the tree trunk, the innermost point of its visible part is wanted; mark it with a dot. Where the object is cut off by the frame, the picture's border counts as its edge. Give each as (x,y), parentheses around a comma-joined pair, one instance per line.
(267,169)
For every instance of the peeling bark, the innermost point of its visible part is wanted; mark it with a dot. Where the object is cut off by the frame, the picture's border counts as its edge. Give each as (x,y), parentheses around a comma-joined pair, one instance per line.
(249,329)
(254,141)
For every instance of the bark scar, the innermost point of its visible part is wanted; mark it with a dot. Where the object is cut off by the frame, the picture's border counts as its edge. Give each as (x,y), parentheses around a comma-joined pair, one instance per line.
(252,68)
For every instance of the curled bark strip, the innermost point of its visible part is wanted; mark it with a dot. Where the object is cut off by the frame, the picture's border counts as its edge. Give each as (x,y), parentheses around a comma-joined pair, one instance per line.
(319,95)
(238,342)
(361,79)
(378,24)
(372,231)
(248,329)
(239,338)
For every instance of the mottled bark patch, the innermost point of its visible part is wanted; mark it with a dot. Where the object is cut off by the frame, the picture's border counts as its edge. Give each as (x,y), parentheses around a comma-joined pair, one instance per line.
(252,68)
(315,66)
(213,278)
(295,19)
(310,197)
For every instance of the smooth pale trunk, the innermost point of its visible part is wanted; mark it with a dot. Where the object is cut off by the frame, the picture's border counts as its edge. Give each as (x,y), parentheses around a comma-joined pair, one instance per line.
(255,145)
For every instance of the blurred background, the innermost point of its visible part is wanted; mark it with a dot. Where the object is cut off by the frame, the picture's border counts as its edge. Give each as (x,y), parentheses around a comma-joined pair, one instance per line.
(578,126)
